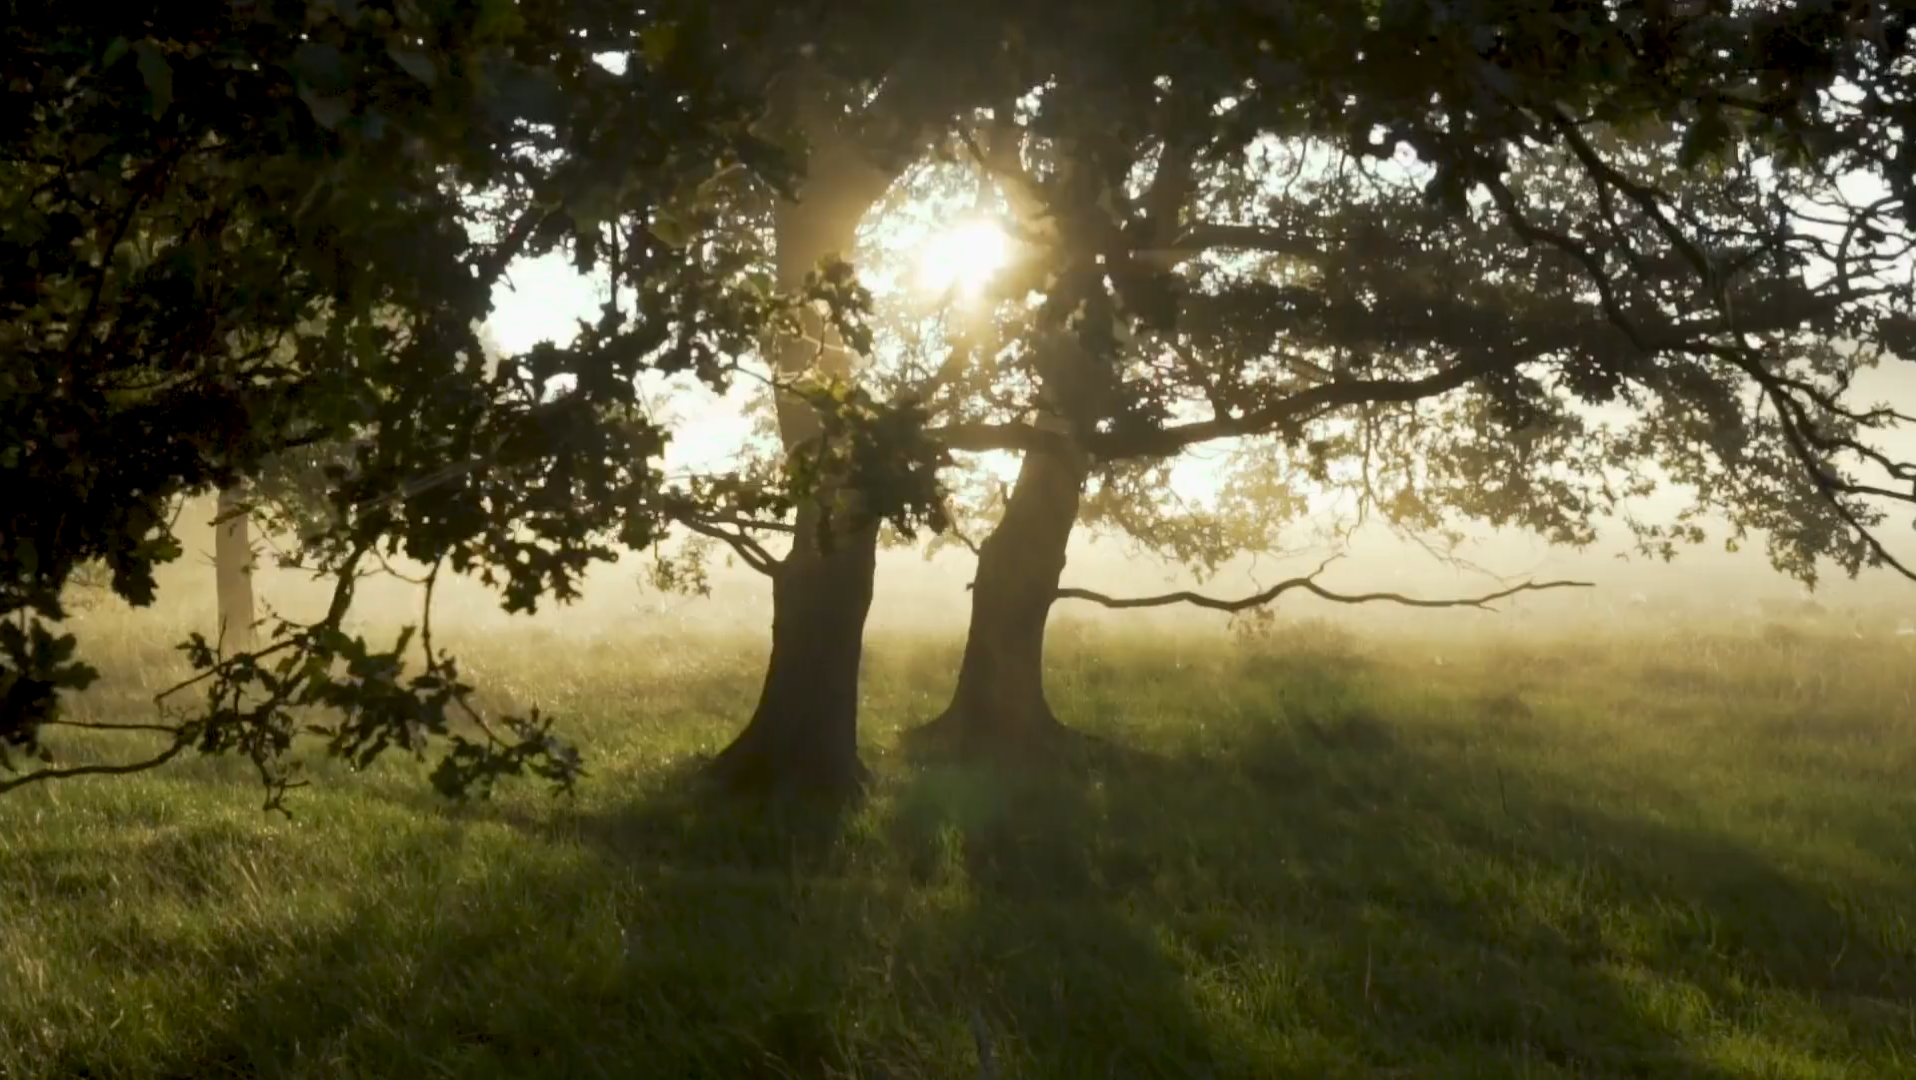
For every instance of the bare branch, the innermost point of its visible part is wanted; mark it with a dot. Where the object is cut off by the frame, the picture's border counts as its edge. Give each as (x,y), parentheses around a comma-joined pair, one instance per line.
(93,725)
(1293,409)
(1309,584)
(491,266)
(761,524)
(750,551)
(979,438)
(127,769)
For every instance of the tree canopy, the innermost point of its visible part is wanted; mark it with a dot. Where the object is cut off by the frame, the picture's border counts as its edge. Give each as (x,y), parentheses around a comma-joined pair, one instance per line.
(236,232)
(1415,250)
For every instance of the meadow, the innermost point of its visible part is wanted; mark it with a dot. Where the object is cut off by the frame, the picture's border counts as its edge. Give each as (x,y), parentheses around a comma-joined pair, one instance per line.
(1678,853)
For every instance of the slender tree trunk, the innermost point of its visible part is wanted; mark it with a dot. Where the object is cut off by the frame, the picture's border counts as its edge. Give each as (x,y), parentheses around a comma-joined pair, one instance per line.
(233,572)
(803,735)
(999,708)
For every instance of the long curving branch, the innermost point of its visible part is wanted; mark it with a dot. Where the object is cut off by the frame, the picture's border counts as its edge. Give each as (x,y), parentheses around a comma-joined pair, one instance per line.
(749,551)
(1308,583)
(41,775)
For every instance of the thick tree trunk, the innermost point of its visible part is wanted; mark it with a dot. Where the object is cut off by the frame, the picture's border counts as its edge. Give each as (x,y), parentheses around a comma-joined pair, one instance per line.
(999,709)
(803,735)
(233,573)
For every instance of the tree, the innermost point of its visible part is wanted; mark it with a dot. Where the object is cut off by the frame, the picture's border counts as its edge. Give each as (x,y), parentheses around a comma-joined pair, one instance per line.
(233,566)
(199,190)
(883,84)
(1625,248)
(268,227)
(1235,76)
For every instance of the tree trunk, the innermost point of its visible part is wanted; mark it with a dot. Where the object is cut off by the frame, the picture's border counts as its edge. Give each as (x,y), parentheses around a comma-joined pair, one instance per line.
(803,735)
(233,572)
(999,709)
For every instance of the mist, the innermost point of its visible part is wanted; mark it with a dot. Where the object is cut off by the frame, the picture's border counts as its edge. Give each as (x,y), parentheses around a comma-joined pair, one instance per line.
(925,597)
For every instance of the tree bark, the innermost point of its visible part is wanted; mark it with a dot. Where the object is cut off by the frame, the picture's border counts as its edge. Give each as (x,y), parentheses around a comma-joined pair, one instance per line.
(999,709)
(803,735)
(233,573)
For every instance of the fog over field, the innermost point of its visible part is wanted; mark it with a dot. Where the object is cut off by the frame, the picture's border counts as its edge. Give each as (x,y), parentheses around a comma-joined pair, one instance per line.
(925,596)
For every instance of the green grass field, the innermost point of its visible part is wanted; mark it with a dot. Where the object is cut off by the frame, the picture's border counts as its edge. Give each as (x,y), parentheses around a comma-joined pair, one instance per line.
(1687,855)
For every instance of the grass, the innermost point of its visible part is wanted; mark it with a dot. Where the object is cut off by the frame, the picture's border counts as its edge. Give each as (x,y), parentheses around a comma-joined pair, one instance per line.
(1692,855)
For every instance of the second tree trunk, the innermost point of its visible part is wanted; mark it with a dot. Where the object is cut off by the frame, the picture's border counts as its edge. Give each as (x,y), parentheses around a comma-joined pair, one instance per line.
(999,707)
(233,572)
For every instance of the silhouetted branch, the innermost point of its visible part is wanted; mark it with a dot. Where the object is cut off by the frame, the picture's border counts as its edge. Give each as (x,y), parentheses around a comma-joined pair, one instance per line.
(225,665)
(93,725)
(1309,584)
(761,524)
(153,762)
(750,551)
(979,438)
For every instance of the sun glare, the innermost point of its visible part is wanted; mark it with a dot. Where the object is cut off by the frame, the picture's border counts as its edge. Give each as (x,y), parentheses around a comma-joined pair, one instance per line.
(962,259)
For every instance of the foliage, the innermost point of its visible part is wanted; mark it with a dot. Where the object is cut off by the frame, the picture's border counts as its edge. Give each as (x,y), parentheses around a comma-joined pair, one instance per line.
(255,242)
(267,232)
(1429,255)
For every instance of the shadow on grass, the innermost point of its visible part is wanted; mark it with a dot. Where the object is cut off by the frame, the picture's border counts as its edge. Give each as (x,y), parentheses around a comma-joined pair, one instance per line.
(482,955)
(1320,896)
(1317,892)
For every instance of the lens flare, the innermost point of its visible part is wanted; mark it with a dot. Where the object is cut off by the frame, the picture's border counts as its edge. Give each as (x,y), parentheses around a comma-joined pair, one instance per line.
(962,260)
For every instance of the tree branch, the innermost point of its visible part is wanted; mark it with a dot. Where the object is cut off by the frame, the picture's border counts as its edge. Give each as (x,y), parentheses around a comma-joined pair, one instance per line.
(980,438)
(493,264)
(127,769)
(93,725)
(749,551)
(1172,183)
(1205,236)
(1292,409)
(1309,584)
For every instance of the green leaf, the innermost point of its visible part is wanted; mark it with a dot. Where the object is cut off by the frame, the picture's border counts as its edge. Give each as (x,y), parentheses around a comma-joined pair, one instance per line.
(157,74)
(414,63)
(669,230)
(657,43)
(1705,139)
(322,67)
(330,112)
(115,49)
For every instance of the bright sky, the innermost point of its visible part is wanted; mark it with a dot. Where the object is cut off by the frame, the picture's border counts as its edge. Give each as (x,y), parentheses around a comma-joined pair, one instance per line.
(544,298)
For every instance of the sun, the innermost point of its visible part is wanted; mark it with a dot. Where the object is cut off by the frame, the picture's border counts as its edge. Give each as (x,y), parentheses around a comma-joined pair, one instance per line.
(962,259)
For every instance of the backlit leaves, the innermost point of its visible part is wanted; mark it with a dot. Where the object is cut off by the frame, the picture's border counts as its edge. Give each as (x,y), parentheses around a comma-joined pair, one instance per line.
(257,240)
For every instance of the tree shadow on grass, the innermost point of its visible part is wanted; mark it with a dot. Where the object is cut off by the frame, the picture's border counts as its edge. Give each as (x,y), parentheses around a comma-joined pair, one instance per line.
(669,945)
(1025,934)
(1325,896)
(1322,891)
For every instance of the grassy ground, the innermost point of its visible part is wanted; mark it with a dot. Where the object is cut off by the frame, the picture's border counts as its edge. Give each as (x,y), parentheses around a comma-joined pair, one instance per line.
(1689,855)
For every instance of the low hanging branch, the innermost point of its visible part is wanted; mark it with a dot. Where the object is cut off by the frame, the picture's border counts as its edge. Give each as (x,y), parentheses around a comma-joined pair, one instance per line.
(1309,584)
(749,551)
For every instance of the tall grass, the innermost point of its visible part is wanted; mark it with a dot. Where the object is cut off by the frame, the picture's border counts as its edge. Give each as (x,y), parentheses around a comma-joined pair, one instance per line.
(1683,855)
